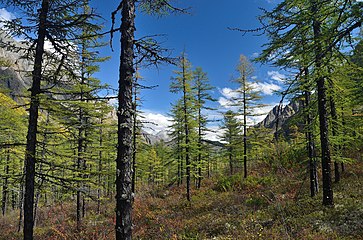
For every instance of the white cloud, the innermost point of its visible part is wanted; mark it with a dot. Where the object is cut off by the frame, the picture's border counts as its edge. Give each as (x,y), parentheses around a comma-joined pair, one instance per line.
(214,134)
(224,102)
(155,122)
(113,101)
(275,75)
(266,88)
(229,93)
(255,54)
(5,15)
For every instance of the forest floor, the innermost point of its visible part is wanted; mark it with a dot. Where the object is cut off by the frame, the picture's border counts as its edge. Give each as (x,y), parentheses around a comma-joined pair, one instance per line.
(269,204)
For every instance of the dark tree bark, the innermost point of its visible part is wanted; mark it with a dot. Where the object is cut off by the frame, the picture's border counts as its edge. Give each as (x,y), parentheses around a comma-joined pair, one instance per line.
(334,116)
(5,184)
(244,129)
(30,157)
(180,163)
(79,163)
(100,156)
(186,129)
(40,184)
(134,135)
(124,196)
(199,180)
(230,157)
(314,187)
(322,109)
(344,132)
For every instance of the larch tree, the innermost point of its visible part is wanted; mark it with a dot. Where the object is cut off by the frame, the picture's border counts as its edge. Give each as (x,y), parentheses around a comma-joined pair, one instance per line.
(182,84)
(331,24)
(177,135)
(145,51)
(202,93)
(56,22)
(247,100)
(231,136)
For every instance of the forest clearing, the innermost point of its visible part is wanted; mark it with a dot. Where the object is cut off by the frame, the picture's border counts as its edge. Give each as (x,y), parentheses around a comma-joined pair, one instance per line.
(230,208)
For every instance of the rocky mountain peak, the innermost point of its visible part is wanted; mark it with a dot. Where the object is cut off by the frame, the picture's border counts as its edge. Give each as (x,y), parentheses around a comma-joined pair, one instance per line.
(287,112)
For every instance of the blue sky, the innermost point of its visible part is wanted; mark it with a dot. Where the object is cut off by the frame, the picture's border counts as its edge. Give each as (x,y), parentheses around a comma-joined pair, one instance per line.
(209,44)
(205,36)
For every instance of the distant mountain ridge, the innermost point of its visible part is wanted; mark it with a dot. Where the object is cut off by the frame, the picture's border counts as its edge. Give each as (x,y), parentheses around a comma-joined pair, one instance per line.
(283,116)
(14,69)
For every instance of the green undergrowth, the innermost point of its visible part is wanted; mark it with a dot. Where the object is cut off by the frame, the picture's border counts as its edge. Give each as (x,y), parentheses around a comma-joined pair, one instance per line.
(266,205)
(263,206)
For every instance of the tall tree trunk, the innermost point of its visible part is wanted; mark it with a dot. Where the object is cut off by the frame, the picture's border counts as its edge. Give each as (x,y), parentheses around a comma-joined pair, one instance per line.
(186,129)
(21,203)
(344,133)
(230,157)
(134,135)
(334,116)
(199,180)
(322,109)
(311,147)
(40,184)
(179,162)
(5,184)
(30,155)
(124,196)
(244,128)
(79,163)
(100,155)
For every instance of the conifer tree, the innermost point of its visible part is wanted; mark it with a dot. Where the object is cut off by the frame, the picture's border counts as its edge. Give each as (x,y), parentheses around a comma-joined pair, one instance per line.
(177,136)
(182,84)
(56,27)
(330,25)
(247,101)
(231,135)
(202,90)
(147,52)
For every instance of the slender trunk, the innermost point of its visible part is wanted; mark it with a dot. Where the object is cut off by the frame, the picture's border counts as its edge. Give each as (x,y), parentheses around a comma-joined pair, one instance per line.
(5,184)
(181,169)
(199,180)
(186,130)
(179,162)
(21,204)
(79,162)
(37,196)
(314,186)
(244,128)
(334,116)
(31,141)
(134,134)
(230,157)
(322,109)
(208,167)
(13,200)
(85,175)
(124,196)
(100,155)
(311,146)
(344,133)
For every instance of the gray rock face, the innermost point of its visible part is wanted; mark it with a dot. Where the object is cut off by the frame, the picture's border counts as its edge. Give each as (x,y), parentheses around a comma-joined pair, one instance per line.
(14,70)
(287,112)
(153,139)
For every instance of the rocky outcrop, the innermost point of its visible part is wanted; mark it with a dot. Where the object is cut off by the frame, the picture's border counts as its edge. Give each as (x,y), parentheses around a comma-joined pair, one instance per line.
(14,69)
(283,116)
